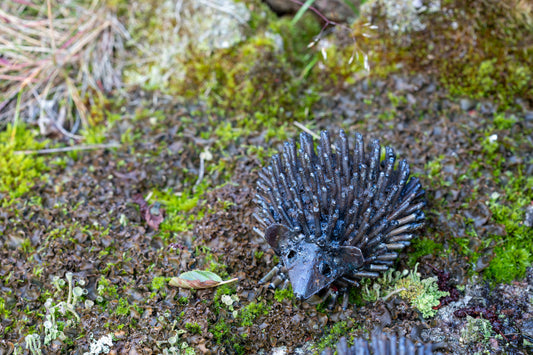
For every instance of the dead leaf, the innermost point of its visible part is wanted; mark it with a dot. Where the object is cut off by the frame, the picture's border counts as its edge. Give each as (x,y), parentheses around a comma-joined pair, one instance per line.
(153,215)
(198,279)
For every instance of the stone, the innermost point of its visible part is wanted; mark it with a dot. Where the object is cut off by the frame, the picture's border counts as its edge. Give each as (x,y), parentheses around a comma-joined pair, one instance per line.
(333,10)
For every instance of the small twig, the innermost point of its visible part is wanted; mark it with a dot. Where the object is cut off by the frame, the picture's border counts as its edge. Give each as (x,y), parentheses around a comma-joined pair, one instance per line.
(204,156)
(393,293)
(201,171)
(69,149)
(307,130)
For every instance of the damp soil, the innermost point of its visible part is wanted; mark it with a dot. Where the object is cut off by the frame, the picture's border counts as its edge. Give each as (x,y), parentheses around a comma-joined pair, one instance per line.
(91,200)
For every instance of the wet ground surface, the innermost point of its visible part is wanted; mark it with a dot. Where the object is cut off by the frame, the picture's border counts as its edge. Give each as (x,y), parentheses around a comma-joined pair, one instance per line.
(88,224)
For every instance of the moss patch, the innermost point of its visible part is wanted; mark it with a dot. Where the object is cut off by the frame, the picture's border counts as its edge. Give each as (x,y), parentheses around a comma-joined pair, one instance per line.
(18,172)
(479,50)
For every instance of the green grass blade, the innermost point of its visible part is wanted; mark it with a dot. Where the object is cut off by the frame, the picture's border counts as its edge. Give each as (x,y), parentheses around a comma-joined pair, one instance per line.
(301,11)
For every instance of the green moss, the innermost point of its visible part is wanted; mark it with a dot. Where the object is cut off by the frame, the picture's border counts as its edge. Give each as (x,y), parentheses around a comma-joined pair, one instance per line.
(220,330)
(158,282)
(18,172)
(285,294)
(434,169)
(497,67)
(255,83)
(510,263)
(223,334)
(422,247)
(227,134)
(123,307)
(503,121)
(332,336)
(178,206)
(105,288)
(251,311)
(193,328)
(513,252)
(220,291)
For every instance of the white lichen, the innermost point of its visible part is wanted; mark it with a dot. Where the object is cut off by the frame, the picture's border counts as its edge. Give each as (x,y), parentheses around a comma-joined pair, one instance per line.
(100,346)
(403,16)
(33,344)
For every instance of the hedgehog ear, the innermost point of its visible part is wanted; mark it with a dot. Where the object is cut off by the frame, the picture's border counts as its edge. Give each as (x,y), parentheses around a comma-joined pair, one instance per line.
(352,257)
(275,234)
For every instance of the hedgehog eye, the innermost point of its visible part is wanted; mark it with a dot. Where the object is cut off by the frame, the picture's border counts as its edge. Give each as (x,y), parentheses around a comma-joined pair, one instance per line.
(291,254)
(325,269)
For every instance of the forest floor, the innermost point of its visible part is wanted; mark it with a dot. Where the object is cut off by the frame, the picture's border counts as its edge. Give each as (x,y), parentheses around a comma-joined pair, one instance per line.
(84,266)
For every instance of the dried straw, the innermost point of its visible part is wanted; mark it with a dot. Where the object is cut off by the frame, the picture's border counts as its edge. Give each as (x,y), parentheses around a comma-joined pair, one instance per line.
(57,56)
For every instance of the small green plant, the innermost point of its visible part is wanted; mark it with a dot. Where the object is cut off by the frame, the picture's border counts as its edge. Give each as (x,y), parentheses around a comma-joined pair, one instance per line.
(490,145)
(213,265)
(510,263)
(396,101)
(434,167)
(220,330)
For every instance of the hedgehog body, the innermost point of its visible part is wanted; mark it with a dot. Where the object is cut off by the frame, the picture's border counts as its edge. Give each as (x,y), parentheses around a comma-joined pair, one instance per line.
(336,214)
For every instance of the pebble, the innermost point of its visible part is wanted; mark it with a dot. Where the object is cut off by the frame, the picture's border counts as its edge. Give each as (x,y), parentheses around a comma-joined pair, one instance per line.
(467,104)
(487,108)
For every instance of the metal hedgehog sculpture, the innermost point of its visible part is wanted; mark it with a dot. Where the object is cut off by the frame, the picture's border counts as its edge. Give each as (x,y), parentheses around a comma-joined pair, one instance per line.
(335,215)
(384,344)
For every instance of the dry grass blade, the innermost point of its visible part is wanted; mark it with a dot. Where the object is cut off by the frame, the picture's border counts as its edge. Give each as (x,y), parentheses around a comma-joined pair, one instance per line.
(55,54)
(69,149)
